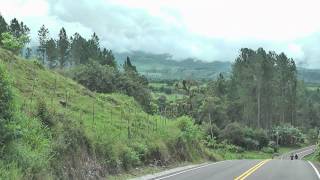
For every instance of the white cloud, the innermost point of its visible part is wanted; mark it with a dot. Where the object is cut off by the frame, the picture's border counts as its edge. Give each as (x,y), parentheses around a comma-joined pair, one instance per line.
(206,29)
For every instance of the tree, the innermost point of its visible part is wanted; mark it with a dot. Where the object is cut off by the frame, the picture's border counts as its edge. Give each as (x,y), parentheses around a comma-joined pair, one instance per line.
(28,53)
(3,27)
(43,38)
(18,29)
(79,50)
(63,48)
(12,43)
(96,77)
(52,53)
(94,47)
(213,110)
(108,58)
(128,67)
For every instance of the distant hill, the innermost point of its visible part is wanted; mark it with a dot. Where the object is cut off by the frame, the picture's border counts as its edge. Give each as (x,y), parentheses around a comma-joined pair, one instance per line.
(309,75)
(163,66)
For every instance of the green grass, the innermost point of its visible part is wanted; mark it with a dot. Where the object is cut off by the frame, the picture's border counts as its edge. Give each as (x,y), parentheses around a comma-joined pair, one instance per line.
(108,130)
(310,157)
(283,150)
(94,131)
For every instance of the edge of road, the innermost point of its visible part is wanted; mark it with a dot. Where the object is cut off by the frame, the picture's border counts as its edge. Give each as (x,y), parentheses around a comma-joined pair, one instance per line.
(180,170)
(315,169)
(176,171)
(309,149)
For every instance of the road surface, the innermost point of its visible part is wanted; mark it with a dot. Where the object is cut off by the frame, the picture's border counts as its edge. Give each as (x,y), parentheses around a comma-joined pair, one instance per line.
(270,169)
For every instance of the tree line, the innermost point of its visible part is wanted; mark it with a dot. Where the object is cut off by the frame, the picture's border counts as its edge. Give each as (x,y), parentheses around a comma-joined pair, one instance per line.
(261,92)
(86,61)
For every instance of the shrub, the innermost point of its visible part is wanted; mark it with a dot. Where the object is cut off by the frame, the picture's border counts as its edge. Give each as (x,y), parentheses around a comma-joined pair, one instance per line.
(211,130)
(158,153)
(6,95)
(233,133)
(288,135)
(6,106)
(43,113)
(12,43)
(141,150)
(129,158)
(261,136)
(96,77)
(269,150)
(250,144)
(190,132)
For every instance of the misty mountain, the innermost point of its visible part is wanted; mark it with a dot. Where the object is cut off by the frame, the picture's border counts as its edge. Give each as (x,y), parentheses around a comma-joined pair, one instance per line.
(163,66)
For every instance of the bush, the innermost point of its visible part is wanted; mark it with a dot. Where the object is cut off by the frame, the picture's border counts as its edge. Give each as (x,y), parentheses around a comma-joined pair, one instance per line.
(250,144)
(129,158)
(248,138)
(233,133)
(106,79)
(261,136)
(211,129)
(12,43)
(96,77)
(43,113)
(6,106)
(158,153)
(288,135)
(190,132)
(269,150)
(6,95)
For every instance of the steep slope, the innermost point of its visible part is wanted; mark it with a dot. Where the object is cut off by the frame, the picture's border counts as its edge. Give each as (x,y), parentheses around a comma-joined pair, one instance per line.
(85,135)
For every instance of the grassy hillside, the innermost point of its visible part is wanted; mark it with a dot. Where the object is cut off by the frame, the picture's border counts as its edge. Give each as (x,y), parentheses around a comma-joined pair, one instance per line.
(64,130)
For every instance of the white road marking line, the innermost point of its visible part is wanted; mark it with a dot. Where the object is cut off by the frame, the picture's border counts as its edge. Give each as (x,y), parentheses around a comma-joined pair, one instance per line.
(315,169)
(181,172)
(305,151)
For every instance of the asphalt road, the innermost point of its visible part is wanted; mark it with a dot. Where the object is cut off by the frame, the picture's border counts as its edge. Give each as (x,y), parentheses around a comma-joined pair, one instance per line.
(275,169)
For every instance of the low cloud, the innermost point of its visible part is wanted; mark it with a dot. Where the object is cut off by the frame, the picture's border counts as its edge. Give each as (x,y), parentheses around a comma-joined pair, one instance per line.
(207,30)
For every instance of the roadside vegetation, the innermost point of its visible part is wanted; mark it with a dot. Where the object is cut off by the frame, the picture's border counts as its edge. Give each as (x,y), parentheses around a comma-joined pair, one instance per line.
(69,111)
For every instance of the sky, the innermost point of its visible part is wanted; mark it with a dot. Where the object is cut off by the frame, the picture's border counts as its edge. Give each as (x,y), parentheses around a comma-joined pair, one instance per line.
(210,30)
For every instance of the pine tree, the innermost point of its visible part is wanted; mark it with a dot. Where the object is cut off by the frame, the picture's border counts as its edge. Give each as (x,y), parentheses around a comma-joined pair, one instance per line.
(108,58)
(63,48)
(94,47)
(3,27)
(79,50)
(51,49)
(28,53)
(128,67)
(18,29)
(43,38)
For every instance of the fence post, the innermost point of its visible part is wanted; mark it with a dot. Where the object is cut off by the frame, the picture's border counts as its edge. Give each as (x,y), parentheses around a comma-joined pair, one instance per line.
(93,123)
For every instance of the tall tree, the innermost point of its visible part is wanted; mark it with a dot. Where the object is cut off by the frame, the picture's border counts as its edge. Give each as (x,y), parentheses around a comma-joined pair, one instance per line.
(51,49)
(79,50)
(18,29)
(28,53)
(94,47)
(63,48)
(3,26)
(43,38)
(128,67)
(108,58)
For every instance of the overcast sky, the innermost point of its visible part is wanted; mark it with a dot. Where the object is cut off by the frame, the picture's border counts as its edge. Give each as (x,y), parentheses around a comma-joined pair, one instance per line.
(205,29)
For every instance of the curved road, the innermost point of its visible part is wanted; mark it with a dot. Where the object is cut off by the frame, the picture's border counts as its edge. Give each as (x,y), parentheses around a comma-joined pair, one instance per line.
(275,169)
